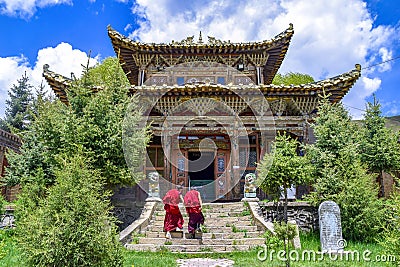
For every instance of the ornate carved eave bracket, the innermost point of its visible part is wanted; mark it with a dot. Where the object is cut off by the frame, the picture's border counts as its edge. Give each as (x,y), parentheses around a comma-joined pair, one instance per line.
(190,42)
(292,99)
(58,83)
(136,56)
(338,86)
(9,140)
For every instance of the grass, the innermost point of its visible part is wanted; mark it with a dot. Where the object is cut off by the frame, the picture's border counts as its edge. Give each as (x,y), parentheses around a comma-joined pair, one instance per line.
(136,237)
(236,230)
(249,258)
(203,228)
(11,256)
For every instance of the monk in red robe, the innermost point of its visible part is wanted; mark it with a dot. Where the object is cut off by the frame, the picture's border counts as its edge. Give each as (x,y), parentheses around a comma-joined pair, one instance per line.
(173,218)
(193,205)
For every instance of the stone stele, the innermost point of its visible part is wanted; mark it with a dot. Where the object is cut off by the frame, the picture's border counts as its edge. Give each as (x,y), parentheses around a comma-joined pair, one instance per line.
(330,228)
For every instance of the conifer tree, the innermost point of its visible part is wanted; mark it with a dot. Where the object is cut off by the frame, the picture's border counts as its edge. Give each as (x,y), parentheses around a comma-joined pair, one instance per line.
(70,156)
(17,114)
(93,120)
(292,78)
(340,175)
(380,149)
(73,225)
(279,170)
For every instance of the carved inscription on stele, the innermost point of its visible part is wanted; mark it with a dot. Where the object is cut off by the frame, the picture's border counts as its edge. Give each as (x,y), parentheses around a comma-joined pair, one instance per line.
(330,227)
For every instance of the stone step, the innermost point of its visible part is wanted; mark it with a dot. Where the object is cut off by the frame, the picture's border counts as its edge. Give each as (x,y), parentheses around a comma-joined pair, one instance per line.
(227,208)
(171,241)
(232,235)
(239,241)
(219,223)
(226,235)
(189,248)
(225,215)
(213,217)
(224,205)
(219,207)
(161,234)
(185,241)
(236,228)
(211,228)
(223,223)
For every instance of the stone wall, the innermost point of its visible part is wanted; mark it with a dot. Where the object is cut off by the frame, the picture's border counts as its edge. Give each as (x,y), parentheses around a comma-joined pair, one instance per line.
(128,203)
(303,213)
(10,193)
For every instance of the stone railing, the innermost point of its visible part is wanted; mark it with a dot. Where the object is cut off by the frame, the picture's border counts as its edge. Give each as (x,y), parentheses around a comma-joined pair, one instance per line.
(305,215)
(125,235)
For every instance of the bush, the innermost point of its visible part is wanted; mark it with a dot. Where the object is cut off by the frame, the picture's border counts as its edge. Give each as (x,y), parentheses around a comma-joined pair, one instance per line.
(391,240)
(72,226)
(341,176)
(362,213)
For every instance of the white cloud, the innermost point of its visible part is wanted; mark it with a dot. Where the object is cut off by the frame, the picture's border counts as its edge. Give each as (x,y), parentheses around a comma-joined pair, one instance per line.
(355,99)
(128,27)
(63,59)
(330,36)
(385,56)
(11,69)
(390,108)
(26,8)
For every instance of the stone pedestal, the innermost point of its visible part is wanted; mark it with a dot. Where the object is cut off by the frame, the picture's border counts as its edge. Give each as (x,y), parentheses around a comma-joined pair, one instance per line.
(250,199)
(250,188)
(154,187)
(153,199)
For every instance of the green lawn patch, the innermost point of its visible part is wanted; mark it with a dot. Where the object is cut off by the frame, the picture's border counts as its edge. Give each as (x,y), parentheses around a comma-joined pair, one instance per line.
(11,255)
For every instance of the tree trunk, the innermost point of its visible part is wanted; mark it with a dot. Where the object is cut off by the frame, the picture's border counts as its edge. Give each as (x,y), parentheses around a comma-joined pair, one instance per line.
(382,187)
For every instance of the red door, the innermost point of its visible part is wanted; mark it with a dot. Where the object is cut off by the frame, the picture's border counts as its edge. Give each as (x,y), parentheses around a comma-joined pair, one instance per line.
(180,168)
(222,175)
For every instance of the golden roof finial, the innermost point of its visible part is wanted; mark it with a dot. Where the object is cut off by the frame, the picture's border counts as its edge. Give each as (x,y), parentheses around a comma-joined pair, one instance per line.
(200,38)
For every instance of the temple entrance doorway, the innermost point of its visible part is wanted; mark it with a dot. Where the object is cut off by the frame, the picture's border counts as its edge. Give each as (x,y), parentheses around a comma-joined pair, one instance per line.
(201,172)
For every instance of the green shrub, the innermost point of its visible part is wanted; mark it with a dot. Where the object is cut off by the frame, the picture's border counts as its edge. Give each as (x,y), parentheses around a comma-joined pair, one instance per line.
(285,231)
(340,175)
(391,240)
(361,212)
(272,241)
(72,226)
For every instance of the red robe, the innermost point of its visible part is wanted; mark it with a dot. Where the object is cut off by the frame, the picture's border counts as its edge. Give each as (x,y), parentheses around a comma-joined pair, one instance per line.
(173,217)
(192,204)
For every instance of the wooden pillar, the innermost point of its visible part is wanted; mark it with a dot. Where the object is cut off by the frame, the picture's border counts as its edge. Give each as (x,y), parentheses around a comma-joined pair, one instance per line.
(235,167)
(166,144)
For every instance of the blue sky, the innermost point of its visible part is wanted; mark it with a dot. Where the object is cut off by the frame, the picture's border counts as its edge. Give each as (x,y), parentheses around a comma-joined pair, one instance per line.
(331,36)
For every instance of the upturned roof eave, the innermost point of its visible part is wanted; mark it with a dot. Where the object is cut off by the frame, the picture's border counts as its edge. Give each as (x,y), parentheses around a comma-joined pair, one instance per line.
(337,87)
(58,83)
(136,46)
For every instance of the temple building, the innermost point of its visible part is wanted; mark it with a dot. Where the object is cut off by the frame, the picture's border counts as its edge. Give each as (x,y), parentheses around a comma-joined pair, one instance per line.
(213,100)
(8,141)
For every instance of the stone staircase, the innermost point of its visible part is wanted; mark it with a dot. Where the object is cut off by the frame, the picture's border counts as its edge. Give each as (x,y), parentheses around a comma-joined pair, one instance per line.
(228,227)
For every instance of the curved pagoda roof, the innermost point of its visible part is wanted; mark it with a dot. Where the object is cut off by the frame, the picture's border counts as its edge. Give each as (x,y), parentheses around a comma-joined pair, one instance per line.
(57,82)
(283,99)
(303,97)
(136,56)
(9,140)
(337,87)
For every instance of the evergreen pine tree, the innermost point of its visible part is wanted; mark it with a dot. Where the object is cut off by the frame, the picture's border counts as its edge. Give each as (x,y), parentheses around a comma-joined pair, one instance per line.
(17,114)
(340,174)
(380,149)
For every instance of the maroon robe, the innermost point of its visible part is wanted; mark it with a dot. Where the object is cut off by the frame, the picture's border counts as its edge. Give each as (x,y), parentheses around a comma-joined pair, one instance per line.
(173,217)
(193,209)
